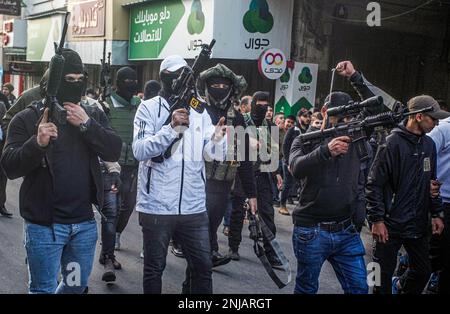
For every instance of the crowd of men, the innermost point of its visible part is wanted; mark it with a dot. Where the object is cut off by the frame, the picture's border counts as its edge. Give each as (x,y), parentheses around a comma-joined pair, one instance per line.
(123,152)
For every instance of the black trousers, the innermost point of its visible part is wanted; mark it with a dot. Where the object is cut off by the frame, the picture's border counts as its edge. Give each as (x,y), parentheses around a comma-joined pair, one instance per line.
(236,222)
(192,233)
(265,211)
(127,196)
(3,181)
(217,197)
(440,254)
(414,280)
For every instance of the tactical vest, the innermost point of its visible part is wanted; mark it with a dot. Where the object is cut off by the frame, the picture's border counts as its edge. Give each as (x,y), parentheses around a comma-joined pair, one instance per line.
(224,170)
(261,133)
(121,120)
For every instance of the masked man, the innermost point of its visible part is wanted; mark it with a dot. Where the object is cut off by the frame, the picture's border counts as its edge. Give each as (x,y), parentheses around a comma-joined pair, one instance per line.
(62,179)
(222,89)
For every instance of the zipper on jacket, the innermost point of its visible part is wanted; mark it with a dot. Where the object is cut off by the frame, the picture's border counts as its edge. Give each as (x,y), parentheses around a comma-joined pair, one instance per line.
(182,176)
(149,173)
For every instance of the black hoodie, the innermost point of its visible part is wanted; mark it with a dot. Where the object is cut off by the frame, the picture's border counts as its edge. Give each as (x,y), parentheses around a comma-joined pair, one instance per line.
(398,186)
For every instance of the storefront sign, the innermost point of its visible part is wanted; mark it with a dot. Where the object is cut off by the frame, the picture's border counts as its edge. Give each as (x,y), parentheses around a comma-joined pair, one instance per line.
(242,29)
(42,33)
(10,7)
(88,19)
(296,88)
(272,63)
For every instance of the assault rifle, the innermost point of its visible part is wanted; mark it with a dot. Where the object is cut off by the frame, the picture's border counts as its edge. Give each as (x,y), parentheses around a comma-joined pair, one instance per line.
(359,130)
(185,92)
(354,108)
(57,114)
(259,231)
(105,73)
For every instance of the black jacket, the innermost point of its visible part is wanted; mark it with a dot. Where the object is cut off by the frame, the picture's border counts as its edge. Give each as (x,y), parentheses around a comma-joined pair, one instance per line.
(289,138)
(23,157)
(398,187)
(329,185)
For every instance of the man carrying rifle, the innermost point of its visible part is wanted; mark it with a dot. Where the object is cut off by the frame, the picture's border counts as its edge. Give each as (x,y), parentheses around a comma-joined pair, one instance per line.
(62,178)
(171,143)
(222,88)
(399,199)
(329,172)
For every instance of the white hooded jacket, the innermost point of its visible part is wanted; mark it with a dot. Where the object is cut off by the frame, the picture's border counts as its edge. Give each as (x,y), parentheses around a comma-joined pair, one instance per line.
(175,186)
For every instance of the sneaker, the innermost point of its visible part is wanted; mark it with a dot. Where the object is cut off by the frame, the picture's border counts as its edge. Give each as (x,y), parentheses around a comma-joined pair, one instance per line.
(109,275)
(117,246)
(5,212)
(283,211)
(219,260)
(177,251)
(433,284)
(234,255)
(102,260)
(226,230)
(395,285)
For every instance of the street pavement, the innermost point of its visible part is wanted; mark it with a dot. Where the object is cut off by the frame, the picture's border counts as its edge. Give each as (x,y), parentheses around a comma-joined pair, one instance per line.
(246,276)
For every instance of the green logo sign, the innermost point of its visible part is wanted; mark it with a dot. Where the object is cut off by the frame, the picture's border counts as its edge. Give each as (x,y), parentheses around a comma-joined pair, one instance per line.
(196,20)
(151,27)
(305,76)
(286,76)
(258,18)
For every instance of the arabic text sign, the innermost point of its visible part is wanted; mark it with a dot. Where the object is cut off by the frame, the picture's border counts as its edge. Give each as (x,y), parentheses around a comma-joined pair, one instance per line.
(160,29)
(88,19)
(151,27)
(10,7)
(272,63)
(296,88)
(245,28)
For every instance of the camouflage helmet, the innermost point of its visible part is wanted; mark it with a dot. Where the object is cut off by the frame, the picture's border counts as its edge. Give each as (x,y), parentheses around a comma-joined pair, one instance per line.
(239,84)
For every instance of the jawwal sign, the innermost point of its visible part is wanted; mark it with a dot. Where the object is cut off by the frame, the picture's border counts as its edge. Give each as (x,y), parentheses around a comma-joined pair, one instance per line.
(243,29)
(296,88)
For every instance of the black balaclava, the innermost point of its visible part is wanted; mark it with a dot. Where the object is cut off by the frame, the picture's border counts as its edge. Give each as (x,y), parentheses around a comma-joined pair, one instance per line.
(258,112)
(167,80)
(124,89)
(151,89)
(218,96)
(71,92)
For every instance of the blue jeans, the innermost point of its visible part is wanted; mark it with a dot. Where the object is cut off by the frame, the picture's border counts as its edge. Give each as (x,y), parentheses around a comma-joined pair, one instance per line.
(109,224)
(343,249)
(69,248)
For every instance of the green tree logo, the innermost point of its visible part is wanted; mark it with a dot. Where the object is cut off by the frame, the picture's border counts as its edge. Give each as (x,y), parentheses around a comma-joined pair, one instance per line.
(196,20)
(286,76)
(258,18)
(305,76)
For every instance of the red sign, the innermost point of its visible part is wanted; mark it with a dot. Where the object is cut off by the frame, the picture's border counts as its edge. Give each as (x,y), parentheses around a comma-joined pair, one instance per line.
(88,19)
